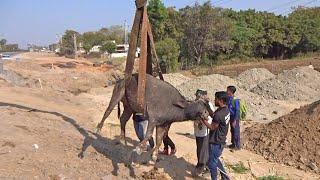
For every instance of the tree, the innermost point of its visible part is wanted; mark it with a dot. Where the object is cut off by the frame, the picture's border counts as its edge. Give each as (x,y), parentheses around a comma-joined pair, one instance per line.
(207,32)
(67,46)
(306,21)
(113,33)
(91,39)
(108,47)
(157,15)
(3,42)
(168,51)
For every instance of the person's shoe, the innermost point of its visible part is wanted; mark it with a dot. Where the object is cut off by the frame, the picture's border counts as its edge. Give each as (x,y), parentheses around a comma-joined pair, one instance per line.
(173,152)
(164,152)
(198,170)
(231,146)
(235,149)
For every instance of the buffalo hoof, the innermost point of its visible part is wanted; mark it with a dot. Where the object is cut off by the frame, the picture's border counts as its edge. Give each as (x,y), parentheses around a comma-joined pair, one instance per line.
(154,158)
(138,150)
(151,162)
(123,141)
(98,130)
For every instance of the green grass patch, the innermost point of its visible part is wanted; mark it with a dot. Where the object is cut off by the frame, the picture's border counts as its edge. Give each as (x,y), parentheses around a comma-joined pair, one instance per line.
(238,168)
(271,178)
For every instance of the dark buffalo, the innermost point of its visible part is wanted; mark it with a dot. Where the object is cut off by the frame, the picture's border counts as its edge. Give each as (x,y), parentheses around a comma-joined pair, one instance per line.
(164,105)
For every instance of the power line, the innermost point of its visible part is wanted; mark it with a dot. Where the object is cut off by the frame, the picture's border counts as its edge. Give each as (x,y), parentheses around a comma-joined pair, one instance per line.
(282,5)
(305,4)
(216,2)
(224,2)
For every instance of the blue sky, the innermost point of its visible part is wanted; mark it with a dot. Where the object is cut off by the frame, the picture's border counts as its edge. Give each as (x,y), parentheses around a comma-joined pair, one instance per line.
(39,21)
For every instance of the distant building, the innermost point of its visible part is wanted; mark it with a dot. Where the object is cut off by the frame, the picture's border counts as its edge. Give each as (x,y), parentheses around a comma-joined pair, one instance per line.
(95,49)
(122,51)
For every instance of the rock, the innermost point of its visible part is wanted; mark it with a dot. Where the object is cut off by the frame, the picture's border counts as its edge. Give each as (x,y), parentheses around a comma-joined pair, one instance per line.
(313,167)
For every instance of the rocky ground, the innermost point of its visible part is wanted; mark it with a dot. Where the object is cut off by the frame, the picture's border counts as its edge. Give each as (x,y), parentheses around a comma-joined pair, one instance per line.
(49,107)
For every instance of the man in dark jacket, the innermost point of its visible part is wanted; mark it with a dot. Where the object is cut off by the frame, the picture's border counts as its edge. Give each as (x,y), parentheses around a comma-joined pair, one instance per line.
(218,134)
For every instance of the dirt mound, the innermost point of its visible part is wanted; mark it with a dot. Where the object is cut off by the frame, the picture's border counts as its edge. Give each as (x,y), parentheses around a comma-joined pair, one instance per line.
(292,139)
(175,79)
(301,84)
(252,77)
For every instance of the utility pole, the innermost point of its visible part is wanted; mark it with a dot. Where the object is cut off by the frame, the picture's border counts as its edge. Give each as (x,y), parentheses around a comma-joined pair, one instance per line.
(75,45)
(125,32)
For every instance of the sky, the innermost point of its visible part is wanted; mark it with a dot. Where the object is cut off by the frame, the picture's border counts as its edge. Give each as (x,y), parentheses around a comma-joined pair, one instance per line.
(40,21)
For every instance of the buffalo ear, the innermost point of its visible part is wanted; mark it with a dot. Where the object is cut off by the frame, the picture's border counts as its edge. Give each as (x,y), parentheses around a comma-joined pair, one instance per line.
(180,104)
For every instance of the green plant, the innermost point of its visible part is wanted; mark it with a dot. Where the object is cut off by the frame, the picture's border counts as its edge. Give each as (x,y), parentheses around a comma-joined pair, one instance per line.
(271,177)
(238,168)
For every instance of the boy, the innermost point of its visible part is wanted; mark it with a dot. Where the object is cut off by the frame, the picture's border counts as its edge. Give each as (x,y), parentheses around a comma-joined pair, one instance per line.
(234,107)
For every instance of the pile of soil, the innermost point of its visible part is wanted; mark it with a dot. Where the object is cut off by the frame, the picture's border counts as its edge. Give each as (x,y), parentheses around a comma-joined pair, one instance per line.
(252,77)
(175,79)
(292,139)
(300,84)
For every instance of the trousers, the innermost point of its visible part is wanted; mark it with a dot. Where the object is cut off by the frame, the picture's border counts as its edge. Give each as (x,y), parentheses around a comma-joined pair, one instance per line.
(214,164)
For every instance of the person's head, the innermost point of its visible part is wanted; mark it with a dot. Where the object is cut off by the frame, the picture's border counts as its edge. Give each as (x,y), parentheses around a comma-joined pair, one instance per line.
(220,98)
(201,94)
(231,90)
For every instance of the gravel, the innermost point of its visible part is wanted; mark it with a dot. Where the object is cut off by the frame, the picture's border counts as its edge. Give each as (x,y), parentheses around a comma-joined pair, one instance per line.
(252,77)
(299,84)
(175,79)
(259,108)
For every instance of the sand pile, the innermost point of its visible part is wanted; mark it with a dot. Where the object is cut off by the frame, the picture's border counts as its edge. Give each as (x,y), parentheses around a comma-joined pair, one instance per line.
(211,83)
(175,79)
(292,139)
(252,77)
(300,84)
(259,108)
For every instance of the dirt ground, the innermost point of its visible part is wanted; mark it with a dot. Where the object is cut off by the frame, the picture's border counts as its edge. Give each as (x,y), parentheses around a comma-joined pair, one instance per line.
(48,132)
(274,66)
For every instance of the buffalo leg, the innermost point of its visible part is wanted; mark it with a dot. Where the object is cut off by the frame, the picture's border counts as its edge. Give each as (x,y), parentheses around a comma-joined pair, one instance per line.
(127,112)
(159,137)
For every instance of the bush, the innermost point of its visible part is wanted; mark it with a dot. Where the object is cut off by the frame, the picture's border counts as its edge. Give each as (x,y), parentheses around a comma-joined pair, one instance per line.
(238,168)
(270,178)
(168,51)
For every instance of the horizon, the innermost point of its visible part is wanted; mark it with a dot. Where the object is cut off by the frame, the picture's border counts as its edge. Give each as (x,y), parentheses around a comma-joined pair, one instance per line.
(40,22)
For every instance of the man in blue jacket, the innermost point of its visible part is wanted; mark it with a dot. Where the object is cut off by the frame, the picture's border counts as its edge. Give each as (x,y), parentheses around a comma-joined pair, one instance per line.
(234,108)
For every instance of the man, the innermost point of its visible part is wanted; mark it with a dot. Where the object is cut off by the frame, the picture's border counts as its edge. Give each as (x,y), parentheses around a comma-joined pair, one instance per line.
(167,142)
(140,124)
(234,108)
(218,134)
(201,133)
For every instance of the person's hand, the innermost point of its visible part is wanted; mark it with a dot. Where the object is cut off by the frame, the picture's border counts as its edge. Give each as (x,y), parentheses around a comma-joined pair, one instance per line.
(204,119)
(234,123)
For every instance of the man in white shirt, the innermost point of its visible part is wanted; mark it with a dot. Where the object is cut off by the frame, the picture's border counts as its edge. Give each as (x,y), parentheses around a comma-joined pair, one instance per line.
(201,133)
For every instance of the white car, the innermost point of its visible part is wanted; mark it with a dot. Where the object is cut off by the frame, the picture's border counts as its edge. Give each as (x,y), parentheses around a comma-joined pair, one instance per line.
(5,57)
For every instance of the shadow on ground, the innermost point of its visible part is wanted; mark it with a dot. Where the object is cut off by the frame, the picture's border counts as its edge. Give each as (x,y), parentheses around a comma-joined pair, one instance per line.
(176,168)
